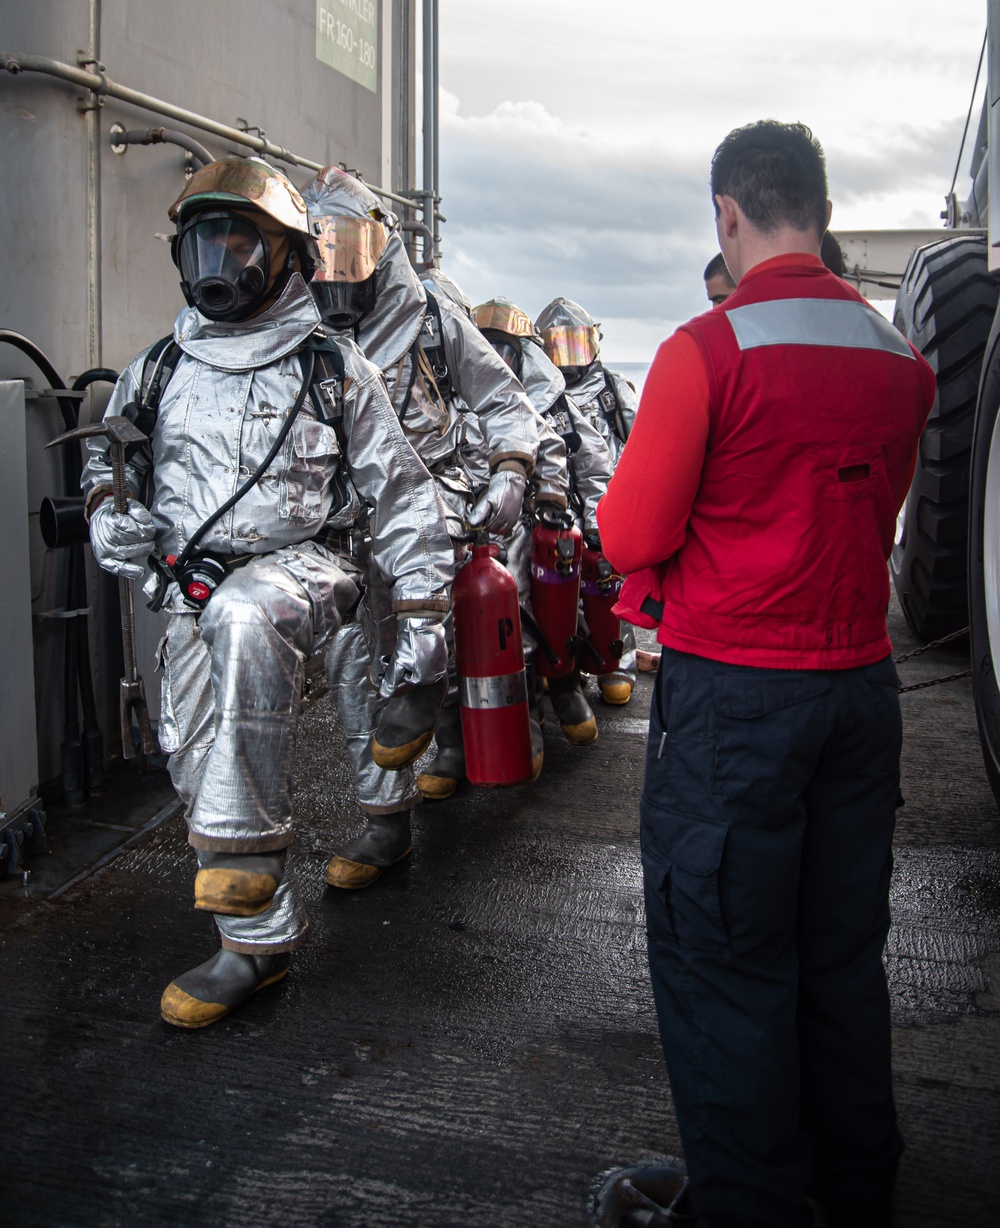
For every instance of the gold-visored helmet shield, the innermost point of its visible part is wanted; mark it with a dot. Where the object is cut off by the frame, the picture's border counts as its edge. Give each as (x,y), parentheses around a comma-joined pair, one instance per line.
(242,182)
(502,316)
(349,246)
(571,345)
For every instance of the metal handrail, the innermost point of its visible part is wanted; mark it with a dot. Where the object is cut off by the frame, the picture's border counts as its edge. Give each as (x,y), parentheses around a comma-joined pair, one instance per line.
(100,83)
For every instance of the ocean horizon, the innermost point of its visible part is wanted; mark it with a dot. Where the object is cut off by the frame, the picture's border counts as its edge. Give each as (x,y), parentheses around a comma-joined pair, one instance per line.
(634,371)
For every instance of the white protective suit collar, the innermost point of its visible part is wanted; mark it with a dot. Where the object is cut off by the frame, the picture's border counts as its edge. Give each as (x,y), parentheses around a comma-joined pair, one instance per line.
(391,328)
(540,377)
(246,344)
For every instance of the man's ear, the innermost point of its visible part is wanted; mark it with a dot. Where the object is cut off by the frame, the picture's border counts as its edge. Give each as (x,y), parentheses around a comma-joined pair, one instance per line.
(727,215)
(829,213)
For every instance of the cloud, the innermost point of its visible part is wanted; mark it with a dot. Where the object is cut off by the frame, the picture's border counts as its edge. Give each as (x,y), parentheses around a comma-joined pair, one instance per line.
(538,207)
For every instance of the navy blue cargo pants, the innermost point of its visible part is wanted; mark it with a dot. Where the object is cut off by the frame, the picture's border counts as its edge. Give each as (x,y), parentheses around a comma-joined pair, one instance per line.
(767,817)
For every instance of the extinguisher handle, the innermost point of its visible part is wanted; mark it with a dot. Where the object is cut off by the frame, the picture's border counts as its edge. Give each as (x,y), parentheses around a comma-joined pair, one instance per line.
(551,516)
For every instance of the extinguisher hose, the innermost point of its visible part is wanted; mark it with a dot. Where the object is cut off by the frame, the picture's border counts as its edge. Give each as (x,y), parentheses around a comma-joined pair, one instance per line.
(528,621)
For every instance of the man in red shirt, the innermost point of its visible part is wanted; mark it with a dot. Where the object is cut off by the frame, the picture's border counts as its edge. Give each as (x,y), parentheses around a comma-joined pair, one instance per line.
(754,507)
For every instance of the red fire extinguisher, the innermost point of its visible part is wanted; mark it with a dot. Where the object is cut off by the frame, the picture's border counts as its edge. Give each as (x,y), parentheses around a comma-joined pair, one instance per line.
(556,551)
(492,687)
(601,586)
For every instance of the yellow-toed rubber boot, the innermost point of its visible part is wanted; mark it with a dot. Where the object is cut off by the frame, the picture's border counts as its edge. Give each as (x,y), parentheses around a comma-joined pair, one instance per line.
(405,725)
(576,720)
(237,884)
(615,691)
(209,992)
(442,775)
(384,841)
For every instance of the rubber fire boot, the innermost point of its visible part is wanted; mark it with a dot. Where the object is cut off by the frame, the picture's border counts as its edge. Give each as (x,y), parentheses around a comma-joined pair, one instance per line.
(405,725)
(644,1196)
(572,710)
(209,992)
(237,884)
(441,777)
(615,690)
(384,841)
(537,747)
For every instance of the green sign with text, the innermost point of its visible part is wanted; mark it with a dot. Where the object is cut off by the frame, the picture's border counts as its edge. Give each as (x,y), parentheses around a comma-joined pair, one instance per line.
(347,38)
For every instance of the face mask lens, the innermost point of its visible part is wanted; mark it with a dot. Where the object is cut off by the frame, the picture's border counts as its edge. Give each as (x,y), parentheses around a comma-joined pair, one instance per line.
(224,262)
(509,351)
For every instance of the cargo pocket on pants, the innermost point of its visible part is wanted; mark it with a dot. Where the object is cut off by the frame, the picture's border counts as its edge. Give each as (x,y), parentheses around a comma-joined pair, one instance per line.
(681,859)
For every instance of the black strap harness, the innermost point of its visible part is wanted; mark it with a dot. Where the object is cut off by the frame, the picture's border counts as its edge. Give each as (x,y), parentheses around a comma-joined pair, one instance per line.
(323,371)
(611,408)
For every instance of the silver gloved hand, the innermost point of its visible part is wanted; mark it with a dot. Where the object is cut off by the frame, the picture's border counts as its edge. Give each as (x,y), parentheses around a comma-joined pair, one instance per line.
(500,503)
(119,537)
(420,656)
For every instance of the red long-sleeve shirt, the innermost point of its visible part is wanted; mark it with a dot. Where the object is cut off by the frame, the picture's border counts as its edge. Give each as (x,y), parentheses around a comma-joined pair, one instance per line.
(774,444)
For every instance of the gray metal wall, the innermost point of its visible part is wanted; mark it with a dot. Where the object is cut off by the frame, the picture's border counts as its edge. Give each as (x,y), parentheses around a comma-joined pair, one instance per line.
(82,272)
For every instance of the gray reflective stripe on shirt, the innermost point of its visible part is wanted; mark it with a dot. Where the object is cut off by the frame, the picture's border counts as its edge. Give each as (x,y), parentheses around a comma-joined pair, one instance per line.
(815,321)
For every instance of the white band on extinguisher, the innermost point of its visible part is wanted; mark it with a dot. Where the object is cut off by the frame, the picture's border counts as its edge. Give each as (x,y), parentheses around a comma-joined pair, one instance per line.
(502,692)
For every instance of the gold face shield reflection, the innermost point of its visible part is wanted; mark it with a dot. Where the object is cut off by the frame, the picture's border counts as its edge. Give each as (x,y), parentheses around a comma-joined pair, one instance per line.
(349,247)
(571,345)
(503,317)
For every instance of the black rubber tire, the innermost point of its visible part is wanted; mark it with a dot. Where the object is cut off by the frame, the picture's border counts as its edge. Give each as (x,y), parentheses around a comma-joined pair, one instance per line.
(945,308)
(984,677)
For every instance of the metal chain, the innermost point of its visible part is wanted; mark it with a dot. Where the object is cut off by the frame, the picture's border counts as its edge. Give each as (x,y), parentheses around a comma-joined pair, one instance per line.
(945,639)
(917,652)
(919,686)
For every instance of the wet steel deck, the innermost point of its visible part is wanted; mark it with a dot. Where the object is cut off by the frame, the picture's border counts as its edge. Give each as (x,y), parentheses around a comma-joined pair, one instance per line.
(472,1039)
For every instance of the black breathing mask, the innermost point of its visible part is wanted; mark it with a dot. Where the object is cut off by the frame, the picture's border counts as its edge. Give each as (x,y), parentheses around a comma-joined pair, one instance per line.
(225,265)
(573,375)
(508,349)
(343,304)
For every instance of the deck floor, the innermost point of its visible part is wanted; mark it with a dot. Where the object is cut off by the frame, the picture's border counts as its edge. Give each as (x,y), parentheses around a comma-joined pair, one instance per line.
(471,1040)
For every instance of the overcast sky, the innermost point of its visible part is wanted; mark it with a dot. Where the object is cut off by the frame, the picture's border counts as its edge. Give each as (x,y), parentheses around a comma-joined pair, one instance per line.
(576,135)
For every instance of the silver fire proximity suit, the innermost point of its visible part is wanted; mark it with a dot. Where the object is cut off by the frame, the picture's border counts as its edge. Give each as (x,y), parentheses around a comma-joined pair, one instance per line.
(572,340)
(233,675)
(397,332)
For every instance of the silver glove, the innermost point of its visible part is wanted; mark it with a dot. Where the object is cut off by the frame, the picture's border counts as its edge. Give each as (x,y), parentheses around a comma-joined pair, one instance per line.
(118,537)
(420,656)
(500,504)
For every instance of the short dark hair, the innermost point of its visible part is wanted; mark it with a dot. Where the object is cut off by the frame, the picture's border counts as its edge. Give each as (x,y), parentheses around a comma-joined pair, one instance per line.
(717,267)
(832,254)
(775,173)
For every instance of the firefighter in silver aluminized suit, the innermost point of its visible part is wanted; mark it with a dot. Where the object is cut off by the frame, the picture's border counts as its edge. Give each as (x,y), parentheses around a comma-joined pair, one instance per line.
(440,372)
(548,486)
(587,471)
(572,339)
(247,377)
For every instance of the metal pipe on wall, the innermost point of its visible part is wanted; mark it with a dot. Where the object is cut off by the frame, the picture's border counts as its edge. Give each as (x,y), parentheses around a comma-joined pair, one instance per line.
(429,126)
(120,138)
(95,309)
(437,134)
(101,85)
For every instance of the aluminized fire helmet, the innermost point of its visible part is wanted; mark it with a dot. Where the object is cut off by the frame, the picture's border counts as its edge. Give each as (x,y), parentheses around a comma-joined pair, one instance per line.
(571,338)
(242,232)
(442,285)
(387,329)
(503,324)
(351,243)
